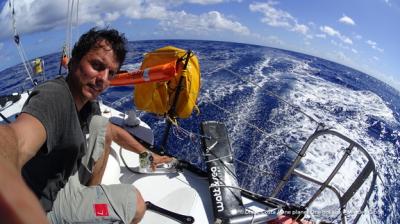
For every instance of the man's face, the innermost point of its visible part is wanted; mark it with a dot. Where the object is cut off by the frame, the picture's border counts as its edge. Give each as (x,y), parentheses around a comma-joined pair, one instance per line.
(93,72)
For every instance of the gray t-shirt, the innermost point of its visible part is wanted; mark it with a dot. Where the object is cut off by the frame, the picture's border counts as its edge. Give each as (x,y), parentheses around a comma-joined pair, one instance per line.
(48,171)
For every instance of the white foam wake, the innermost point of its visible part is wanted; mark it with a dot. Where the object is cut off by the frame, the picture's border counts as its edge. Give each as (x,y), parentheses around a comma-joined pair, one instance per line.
(347,111)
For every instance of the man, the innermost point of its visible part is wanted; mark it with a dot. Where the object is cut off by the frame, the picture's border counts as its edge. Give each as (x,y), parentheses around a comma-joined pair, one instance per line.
(47,143)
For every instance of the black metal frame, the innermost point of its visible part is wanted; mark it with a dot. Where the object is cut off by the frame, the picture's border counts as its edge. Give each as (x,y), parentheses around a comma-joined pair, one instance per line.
(357,183)
(172,111)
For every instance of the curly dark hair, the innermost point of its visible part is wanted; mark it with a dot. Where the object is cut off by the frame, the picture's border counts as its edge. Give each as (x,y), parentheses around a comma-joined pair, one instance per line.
(89,40)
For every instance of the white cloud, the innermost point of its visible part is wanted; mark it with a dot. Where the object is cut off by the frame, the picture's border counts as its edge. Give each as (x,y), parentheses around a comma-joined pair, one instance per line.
(42,15)
(278,18)
(374,46)
(321,35)
(388,2)
(375,58)
(343,46)
(358,36)
(203,23)
(346,40)
(300,28)
(268,40)
(371,43)
(205,2)
(347,20)
(334,33)
(276,40)
(329,30)
(31,16)
(312,24)
(111,16)
(342,57)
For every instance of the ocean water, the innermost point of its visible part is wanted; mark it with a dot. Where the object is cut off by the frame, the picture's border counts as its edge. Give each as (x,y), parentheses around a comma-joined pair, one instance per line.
(271,101)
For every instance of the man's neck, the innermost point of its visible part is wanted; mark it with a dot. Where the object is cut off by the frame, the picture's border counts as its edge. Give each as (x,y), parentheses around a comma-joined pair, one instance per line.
(79,100)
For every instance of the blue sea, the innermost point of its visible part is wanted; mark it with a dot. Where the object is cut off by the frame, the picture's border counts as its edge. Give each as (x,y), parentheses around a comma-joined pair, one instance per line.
(271,101)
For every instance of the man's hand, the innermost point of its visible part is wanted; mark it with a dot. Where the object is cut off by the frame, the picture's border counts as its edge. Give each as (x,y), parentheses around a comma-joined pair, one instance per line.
(17,202)
(157,160)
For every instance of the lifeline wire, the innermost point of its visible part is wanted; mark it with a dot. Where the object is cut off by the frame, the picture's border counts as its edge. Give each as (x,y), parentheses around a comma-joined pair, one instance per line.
(268,135)
(276,96)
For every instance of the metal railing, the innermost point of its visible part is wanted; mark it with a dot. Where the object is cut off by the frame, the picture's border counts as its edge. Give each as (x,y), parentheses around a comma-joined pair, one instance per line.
(344,198)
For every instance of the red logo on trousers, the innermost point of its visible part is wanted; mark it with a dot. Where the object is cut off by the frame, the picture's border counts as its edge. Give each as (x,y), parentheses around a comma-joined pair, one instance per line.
(100,209)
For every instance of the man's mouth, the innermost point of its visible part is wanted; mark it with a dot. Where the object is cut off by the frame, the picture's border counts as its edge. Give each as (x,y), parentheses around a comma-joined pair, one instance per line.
(94,87)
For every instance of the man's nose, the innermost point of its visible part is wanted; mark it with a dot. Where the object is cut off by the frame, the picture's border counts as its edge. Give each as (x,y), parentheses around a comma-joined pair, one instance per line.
(104,74)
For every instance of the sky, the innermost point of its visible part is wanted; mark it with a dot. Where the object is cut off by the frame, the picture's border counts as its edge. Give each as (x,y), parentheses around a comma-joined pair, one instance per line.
(362,34)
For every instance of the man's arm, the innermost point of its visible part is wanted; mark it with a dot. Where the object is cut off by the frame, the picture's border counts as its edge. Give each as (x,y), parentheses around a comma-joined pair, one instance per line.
(8,145)
(125,140)
(19,142)
(22,139)
(17,203)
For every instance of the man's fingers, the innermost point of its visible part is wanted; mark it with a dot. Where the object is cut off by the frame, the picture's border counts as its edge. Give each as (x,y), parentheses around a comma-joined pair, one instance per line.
(162,159)
(166,159)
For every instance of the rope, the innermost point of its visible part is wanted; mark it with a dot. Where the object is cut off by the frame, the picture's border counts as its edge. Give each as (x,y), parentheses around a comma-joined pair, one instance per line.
(17,40)
(268,135)
(77,17)
(68,37)
(5,118)
(68,34)
(276,96)
(244,163)
(186,133)
(256,168)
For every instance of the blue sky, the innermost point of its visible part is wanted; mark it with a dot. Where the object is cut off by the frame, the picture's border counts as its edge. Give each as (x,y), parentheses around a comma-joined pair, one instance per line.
(363,34)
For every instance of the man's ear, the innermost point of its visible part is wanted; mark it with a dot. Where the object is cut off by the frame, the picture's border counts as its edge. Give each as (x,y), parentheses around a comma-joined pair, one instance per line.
(71,64)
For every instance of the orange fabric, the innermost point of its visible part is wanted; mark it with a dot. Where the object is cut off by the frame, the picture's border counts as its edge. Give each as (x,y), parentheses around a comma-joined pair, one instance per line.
(158,73)
(65,61)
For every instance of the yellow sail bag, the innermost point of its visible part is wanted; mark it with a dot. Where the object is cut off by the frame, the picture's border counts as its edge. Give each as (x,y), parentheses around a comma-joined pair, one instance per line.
(159,97)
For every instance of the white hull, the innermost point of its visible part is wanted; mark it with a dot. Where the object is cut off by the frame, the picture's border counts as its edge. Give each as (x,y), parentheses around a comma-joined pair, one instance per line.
(183,192)
(188,194)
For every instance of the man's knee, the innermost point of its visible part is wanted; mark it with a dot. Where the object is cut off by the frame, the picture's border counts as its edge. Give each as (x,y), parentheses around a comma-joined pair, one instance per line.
(108,136)
(140,208)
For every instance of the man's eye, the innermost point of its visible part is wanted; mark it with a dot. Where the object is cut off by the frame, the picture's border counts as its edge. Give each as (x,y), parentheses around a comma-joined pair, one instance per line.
(98,66)
(111,74)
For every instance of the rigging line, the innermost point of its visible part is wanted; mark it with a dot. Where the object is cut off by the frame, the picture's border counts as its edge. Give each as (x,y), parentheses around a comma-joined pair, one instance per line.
(69,22)
(24,59)
(256,168)
(268,135)
(184,131)
(77,17)
(71,11)
(319,123)
(124,162)
(244,163)
(122,158)
(276,96)
(18,43)
(5,118)
(214,70)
